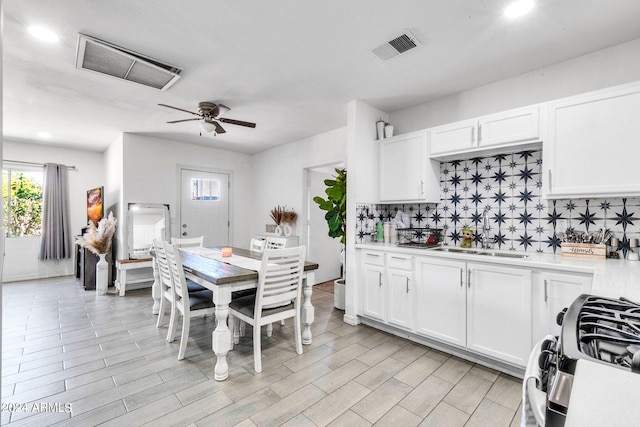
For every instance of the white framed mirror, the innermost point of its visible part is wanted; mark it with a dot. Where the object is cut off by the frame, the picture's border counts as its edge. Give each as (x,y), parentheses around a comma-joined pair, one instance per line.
(146,222)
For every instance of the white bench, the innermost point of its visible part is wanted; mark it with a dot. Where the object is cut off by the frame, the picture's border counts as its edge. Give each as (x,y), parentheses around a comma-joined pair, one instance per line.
(124,265)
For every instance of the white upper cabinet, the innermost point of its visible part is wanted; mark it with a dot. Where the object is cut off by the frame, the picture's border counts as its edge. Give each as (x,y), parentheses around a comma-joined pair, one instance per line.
(508,128)
(406,172)
(592,147)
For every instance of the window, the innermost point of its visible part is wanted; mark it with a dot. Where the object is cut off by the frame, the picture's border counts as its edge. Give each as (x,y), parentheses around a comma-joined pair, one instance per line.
(205,189)
(22,202)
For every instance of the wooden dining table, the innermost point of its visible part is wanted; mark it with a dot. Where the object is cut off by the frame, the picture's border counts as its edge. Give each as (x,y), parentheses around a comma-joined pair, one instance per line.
(224,278)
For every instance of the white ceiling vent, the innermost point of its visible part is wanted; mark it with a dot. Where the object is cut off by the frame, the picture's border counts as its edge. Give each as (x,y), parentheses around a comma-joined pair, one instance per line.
(394,47)
(106,58)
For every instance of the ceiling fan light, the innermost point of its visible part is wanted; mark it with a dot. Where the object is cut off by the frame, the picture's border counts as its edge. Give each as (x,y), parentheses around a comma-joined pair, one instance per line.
(207,127)
(222,110)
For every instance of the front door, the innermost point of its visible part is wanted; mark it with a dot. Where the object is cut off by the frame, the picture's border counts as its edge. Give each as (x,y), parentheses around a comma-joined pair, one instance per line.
(204,206)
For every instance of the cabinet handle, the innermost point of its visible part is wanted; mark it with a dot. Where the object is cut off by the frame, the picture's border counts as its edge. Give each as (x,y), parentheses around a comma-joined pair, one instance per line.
(460,276)
(473,135)
(398,257)
(421,188)
(373,254)
(549,184)
(407,284)
(469,278)
(546,294)
(379,279)
(479,133)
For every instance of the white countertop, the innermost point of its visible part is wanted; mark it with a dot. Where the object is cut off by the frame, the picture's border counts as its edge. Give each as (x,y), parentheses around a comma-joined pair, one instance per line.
(611,277)
(602,395)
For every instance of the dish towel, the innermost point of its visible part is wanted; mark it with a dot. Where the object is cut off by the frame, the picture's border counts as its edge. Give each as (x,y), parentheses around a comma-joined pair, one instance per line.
(533,371)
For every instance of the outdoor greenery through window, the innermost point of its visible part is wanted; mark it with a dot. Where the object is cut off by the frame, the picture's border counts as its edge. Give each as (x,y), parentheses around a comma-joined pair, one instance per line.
(22,202)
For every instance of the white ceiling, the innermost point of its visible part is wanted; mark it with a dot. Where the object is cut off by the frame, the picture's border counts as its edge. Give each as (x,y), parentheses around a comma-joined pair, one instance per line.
(290,66)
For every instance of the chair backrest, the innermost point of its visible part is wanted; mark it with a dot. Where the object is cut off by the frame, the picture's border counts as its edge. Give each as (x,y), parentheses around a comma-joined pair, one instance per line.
(257,244)
(280,277)
(166,279)
(275,242)
(187,242)
(180,291)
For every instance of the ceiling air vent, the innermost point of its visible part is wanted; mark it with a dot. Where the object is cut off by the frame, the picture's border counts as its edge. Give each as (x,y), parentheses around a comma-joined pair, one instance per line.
(106,58)
(394,47)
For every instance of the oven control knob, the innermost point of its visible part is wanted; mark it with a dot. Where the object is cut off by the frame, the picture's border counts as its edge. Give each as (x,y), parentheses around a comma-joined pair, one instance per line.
(560,317)
(544,360)
(548,345)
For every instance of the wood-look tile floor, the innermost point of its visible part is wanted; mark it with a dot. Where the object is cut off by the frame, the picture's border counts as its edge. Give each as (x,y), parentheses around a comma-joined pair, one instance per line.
(73,358)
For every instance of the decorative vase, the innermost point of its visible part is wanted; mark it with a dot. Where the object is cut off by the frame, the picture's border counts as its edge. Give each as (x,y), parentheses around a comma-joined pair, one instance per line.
(380,129)
(287,230)
(102,275)
(278,230)
(388,131)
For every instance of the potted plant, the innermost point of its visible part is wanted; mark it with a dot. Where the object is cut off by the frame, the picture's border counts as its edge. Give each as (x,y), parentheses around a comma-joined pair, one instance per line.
(336,206)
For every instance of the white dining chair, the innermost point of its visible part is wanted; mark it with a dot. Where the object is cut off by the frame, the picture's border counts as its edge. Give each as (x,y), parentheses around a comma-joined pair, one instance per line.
(166,281)
(257,244)
(188,242)
(279,282)
(189,305)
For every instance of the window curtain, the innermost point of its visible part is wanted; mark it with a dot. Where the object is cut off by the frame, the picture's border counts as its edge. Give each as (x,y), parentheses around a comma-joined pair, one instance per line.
(55,240)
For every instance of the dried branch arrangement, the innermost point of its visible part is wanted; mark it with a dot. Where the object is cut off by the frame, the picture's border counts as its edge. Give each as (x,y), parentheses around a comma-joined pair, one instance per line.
(281,214)
(98,239)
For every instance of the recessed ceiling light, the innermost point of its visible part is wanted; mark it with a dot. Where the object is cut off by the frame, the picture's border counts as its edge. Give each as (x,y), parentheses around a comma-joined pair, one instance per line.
(44,135)
(518,8)
(43,34)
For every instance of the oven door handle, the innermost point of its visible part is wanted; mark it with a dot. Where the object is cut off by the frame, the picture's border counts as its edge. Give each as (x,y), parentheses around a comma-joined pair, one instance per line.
(537,401)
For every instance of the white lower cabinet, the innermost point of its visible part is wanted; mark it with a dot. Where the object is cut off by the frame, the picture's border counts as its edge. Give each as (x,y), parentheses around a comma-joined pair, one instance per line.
(552,292)
(499,312)
(372,285)
(441,300)
(400,290)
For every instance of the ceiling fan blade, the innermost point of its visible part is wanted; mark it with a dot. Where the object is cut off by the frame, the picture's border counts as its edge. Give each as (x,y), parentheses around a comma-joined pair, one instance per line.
(183,120)
(238,122)
(219,129)
(180,109)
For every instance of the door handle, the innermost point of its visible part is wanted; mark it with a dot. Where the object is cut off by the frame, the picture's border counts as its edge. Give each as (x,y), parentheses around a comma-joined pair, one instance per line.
(184,233)
(546,291)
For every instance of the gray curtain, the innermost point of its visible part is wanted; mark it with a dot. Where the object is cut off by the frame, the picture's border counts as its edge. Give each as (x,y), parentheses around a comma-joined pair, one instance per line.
(55,242)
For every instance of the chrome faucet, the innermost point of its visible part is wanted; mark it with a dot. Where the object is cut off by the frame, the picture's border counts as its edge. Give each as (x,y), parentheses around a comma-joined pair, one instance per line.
(484,237)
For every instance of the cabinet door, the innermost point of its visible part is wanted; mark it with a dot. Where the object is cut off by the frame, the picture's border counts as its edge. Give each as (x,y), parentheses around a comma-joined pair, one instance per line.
(400,289)
(373,292)
(405,172)
(499,312)
(590,137)
(552,293)
(441,300)
(453,137)
(509,126)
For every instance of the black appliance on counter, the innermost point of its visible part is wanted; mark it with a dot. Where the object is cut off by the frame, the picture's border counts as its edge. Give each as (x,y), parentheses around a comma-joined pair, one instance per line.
(598,329)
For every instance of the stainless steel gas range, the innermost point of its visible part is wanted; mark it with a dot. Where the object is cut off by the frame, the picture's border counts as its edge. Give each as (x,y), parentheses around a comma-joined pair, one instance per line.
(600,330)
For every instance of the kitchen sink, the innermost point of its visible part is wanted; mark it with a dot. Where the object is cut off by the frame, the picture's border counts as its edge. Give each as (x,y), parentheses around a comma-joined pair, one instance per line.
(484,252)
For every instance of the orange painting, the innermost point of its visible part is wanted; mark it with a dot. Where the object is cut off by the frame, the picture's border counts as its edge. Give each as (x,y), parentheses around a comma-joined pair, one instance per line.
(94,205)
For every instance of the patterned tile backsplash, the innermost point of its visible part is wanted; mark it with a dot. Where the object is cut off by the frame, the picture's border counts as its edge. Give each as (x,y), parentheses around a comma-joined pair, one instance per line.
(508,187)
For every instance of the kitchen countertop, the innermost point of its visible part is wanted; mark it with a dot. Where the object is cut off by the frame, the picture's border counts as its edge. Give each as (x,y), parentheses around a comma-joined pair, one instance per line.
(603,396)
(611,277)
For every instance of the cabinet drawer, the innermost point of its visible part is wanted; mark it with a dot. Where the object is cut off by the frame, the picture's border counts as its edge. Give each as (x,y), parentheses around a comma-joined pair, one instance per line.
(400,262)
(373,258)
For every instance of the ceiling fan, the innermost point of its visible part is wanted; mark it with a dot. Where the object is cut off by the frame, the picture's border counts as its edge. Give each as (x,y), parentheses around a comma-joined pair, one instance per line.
(211,114)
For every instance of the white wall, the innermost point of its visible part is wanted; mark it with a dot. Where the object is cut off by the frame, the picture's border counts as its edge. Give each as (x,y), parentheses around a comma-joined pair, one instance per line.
(21,259)
(362,186)
(609,67)
(150,174)
(113,187)
(278,176)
